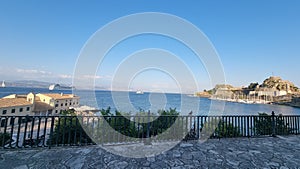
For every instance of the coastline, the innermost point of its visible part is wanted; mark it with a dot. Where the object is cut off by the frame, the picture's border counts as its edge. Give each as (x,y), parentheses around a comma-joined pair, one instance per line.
(292,102)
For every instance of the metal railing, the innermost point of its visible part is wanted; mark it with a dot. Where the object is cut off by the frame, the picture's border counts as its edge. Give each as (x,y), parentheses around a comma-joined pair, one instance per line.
(47,131)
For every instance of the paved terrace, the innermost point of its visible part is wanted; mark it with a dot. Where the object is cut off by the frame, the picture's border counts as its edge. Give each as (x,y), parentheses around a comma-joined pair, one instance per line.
(267,152)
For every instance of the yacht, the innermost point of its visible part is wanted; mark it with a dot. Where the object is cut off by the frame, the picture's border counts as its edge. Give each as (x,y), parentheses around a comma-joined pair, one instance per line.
(59,87)
(52,87)
(139,92)
(3,84)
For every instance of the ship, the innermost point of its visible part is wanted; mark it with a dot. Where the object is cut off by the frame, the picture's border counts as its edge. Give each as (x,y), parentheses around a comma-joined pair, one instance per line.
(59,87)
(3,84)
(139,92)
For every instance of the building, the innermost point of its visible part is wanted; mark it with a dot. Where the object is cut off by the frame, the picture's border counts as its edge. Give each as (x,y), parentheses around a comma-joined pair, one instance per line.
(60,102)
(268,92)
(14,107)
(223,93)
(36,104)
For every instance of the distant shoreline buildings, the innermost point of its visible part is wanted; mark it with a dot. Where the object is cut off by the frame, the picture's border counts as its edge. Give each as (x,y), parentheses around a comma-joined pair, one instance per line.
(272,90)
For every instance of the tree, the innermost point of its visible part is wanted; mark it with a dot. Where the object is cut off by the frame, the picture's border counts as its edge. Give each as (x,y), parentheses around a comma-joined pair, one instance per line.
(219,128)
(68,130)
(226,129)
(253,86)
(263,125)
(144,124)
(5,137)
(165,126)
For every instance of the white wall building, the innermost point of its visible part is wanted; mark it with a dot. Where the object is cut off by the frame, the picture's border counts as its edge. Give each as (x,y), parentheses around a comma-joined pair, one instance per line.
(14,107)
(268,92)
(60,102)
(35,104)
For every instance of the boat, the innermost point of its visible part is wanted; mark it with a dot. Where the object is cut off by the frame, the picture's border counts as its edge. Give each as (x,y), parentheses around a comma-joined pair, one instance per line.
(3,84)
(52,87)
(139,92)
(59,87)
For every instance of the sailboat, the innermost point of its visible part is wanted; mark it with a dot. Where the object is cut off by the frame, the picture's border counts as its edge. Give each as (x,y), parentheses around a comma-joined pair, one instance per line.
(3,84)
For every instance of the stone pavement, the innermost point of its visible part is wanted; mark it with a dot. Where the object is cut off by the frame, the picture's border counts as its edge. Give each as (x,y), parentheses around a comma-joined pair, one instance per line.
(267,152)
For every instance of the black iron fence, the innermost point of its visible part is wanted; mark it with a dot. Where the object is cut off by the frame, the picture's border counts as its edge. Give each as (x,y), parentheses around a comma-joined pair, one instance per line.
(47,131)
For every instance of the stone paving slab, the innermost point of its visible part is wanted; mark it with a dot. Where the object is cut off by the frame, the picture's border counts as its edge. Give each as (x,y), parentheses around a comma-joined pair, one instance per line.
(267,152)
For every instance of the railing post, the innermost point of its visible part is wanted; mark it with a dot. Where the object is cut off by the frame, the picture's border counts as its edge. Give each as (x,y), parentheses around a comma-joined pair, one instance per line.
(273,124)
(51,132)
(198,127)
(148,141)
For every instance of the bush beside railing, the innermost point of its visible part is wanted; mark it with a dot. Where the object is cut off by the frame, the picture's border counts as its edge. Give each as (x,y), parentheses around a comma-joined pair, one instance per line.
(69,130)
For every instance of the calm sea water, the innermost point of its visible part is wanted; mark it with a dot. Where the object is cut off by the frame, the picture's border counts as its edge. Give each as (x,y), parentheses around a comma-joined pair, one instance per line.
(132,102)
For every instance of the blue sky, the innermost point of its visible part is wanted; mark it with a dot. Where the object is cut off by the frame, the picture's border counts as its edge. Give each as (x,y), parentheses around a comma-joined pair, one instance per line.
(254,39)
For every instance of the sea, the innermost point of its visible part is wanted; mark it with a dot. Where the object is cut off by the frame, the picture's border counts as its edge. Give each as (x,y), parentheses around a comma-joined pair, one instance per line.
(131,102)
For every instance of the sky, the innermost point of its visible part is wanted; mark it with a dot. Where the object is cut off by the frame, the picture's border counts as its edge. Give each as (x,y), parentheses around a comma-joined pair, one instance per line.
(254,40)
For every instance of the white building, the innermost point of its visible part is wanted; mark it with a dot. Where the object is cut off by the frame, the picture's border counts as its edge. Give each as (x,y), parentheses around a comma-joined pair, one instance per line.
(39,104)
(14,107)
(60,102)
(268,92)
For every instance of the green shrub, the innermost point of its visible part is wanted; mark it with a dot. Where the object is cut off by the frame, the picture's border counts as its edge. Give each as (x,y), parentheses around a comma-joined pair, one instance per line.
(263,125)
(6,138)
(226,129)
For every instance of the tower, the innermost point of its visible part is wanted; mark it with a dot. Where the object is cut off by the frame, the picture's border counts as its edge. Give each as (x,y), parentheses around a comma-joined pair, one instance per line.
(288,90)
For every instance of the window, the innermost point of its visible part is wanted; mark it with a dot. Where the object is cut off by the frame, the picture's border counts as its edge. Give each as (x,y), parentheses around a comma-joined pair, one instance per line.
(55,111)
(62,104)
(4,111)
(27,108)
(56,105)
(66,104)
(21,109)
(13,110)
(70,103)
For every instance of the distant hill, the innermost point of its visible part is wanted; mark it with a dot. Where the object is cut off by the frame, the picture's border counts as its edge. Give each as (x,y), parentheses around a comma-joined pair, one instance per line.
(290,93)
(272,82)
(279,84)
(28,83)
(41,84)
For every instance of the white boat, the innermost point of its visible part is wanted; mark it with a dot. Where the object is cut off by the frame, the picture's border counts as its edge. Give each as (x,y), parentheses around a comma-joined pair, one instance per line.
(3,84)
(59,87)
(52,87)
(139,92)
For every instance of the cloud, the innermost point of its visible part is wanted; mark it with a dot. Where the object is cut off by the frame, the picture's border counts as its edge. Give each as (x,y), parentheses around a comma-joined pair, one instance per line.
(95,77)
(33,74)
(92,77)
(64,76)
(33,71)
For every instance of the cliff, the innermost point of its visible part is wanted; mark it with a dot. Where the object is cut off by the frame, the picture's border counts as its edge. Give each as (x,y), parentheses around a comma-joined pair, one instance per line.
(288,100)
(203,94)
(279,84)
(286,92)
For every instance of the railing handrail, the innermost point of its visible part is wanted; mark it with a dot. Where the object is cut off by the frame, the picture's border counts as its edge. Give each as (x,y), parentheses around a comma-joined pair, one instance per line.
(47,131)
(62,116)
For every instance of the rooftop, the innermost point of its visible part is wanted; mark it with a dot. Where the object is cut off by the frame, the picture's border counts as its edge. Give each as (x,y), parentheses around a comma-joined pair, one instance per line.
(58,96)
(9,102)
(41,107)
